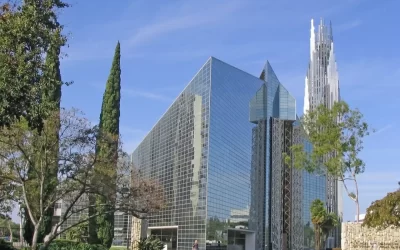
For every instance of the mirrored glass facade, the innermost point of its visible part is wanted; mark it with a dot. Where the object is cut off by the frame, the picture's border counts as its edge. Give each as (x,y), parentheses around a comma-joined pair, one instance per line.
(200,151)
(211,151)
(175,153)
(229,183)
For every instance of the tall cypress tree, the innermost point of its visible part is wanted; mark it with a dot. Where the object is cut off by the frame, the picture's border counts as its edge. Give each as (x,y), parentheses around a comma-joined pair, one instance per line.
(101,228)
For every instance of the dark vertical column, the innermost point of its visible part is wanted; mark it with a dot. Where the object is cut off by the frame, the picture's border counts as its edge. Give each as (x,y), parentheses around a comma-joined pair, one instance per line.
(257,220)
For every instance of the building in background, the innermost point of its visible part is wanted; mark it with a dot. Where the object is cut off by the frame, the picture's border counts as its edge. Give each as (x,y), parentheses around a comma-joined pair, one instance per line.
(322,87)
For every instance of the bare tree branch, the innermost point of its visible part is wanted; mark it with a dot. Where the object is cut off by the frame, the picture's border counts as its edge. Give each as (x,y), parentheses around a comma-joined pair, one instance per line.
(80,173)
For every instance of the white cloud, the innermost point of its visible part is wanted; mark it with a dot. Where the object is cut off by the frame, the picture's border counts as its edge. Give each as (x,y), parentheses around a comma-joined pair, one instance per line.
(389,126)
(190,16)
(347,26)
(132,131)
(147,94)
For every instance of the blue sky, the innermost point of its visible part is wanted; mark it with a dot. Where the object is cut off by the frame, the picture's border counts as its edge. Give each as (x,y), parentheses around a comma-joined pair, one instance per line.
(164,43)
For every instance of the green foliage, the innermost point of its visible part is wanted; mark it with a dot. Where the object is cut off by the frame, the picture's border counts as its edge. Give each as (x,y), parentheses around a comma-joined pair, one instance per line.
(73,245)
(6,196)
(150,243)
(384,213)
(6,245)
(336,136)
(28,32)
(323,222)
(8,228)
(110,109)
(102,227)
(214,228)
(30,79)
(78,233)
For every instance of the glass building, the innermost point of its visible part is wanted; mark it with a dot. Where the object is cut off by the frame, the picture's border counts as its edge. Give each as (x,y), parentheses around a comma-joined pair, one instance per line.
(200,151)
(217,152)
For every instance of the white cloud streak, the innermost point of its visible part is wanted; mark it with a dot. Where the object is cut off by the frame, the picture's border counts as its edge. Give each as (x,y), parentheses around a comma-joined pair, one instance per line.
(147,94)
(190,16)
(347,26)
(381,130)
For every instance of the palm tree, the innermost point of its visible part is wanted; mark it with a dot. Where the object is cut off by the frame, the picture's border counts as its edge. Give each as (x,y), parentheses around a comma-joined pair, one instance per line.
(323,222)
(330,222)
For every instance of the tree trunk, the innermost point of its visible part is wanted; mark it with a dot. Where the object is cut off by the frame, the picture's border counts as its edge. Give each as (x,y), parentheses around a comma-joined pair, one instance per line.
(357,211)
(317,239)
(46,241)
(10,230)
(35,237)
(21,232)
(356,199)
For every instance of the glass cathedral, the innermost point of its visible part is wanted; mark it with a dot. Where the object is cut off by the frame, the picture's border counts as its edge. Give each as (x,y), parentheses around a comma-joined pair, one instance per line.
(217,152)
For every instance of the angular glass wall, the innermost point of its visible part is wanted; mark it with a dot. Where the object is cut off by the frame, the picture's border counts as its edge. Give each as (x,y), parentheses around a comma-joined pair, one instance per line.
(228,200)
(175,153)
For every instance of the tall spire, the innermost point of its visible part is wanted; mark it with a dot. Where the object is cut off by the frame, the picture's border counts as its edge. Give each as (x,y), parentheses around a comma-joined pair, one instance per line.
(312,39)
(322,61)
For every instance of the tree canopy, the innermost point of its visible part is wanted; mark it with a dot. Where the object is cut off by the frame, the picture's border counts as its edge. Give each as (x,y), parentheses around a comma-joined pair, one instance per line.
(336,135)
(384,213)
(28,31)
(101,228)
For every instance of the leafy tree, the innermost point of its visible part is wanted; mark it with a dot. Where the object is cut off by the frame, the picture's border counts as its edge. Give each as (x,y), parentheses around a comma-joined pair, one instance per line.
(384,213)
(21,148)
(215,227)
(30,80)
(6,197)
(336,136)
(78,233)
(28,31)
(7,223)
(102,227)
(323,222)
(150,243)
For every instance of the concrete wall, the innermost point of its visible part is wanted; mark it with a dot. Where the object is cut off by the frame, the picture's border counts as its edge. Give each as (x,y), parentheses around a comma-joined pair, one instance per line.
(356,237)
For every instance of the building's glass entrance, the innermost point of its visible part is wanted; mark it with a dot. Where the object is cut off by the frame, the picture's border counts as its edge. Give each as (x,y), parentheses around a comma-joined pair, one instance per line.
(167,235)
(236,240)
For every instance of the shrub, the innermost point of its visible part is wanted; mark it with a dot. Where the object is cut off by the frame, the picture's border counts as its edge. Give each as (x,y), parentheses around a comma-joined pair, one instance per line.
(4,245)
(73,245)
(150,243)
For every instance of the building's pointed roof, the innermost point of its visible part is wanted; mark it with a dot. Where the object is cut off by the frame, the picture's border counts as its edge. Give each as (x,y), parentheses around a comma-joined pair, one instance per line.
(268,73)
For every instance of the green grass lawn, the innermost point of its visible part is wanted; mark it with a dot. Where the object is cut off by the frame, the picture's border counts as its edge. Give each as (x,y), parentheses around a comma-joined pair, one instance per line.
(118,248)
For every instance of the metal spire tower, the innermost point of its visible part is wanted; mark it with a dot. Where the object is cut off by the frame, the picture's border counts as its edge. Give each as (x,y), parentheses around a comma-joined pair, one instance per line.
(322,80)
(322,87)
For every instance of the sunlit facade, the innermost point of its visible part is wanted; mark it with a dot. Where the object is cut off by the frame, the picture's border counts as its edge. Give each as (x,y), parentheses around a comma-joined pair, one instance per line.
(200,152)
